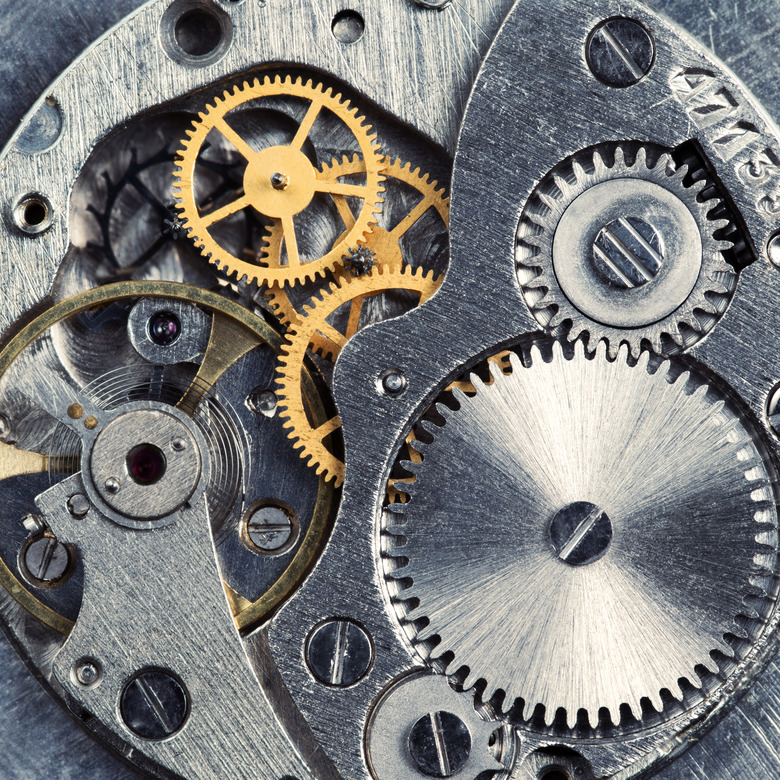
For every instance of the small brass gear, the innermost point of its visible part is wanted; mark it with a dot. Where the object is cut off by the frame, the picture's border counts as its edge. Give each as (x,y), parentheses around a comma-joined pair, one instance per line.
(383,242)
(312,331)
(280,182)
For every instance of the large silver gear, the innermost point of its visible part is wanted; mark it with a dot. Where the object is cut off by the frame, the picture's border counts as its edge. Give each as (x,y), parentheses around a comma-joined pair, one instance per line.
(606,520)
(672,305)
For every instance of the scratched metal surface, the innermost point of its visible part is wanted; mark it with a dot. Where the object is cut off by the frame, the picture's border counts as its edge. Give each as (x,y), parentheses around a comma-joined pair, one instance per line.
(37,739)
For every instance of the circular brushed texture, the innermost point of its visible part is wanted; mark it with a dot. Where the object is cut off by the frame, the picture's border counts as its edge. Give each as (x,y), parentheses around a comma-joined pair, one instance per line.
(685,489)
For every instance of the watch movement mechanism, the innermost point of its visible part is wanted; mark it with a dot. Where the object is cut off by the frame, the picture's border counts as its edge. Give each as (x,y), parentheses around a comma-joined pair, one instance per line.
(390,392)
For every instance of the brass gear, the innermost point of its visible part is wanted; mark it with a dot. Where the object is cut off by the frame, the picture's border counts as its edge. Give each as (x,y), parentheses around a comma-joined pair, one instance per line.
(308,437)
(280,182)
(384,243)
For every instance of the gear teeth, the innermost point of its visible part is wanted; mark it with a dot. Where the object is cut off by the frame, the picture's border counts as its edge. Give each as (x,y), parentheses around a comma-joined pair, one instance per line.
(545,208)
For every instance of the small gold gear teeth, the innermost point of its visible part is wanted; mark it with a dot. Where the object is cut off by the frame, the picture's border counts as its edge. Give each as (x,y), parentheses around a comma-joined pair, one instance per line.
(258,193)
(309,440)
(386,248)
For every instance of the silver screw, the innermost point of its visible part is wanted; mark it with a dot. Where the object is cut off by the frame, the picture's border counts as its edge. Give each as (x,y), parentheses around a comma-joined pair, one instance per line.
(772,250)
(46,559)
(439,744)
(339,653)
(78,505)
(581,533)
(113,485)
(270,528)
(392,382)
(179,445)
(33,523)
(87,673)
(621,52)
(435,5)
(262,401)
(628,252)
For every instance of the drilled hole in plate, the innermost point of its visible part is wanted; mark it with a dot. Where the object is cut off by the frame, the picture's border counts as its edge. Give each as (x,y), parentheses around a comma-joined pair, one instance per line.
(348,26)
(33,214)
(553,773)
(198,32)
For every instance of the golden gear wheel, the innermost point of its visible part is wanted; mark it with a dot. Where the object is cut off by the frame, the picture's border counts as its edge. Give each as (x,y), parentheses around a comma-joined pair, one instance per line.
(384,243)
(310,439)
(279,182)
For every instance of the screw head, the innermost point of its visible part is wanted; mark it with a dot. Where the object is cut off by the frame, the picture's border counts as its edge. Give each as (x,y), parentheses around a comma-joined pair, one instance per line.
(339,653)
(392,382)
(271,527)
(33,523)
(112,485)
(78,505)
(154,704)
(46,560)
(262,401)
(179,445)
(280,181)
(620,52)
(87,672)
(434,5)
(440,744)
(772,251)
(628,253)
(581,533)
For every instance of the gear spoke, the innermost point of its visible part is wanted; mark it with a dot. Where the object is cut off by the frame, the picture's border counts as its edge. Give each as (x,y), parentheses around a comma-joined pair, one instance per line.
(345,212)
(241,146)
(342,188)
(411,219)
(307,124)
(226,211)
(290,241)
(326,429)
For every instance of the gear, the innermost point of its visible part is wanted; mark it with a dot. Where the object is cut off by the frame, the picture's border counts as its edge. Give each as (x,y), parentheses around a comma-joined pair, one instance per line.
(594,517)
(384,242)
(314,331)
(280,182)
(626,253)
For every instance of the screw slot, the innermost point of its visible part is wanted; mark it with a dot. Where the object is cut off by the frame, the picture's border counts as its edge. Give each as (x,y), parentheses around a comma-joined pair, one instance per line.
(339,653)
(33,214)
(440,744)
(154,704)
(270,527)
(620,52)
(348,27)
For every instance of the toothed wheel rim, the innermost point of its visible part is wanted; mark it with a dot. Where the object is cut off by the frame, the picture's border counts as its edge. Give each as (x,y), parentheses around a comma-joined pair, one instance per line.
(279,183)
(677,599)
(561,259)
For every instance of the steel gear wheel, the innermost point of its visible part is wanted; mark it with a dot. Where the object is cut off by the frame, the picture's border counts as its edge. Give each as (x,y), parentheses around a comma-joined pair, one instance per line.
(314,332)
(280,182)
(626,252)
(602,519)
(384,242)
